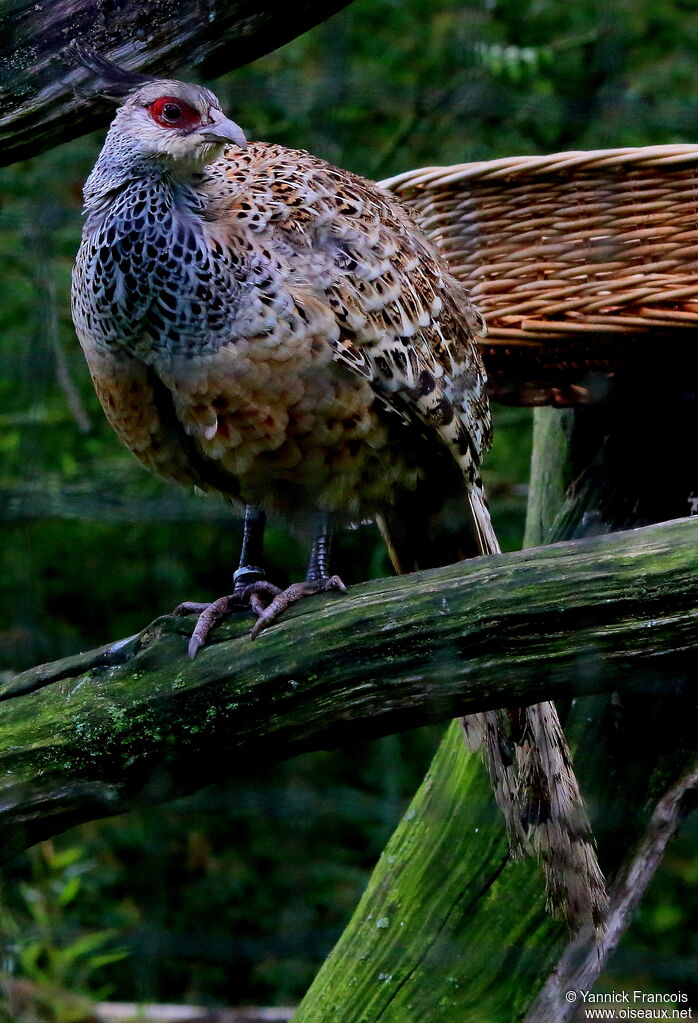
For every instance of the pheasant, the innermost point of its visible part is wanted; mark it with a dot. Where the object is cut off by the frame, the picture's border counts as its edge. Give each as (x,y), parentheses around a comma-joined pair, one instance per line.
(261,324)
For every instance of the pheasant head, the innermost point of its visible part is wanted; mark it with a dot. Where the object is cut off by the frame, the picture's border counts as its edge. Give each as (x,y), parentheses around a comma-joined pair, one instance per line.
(176,124)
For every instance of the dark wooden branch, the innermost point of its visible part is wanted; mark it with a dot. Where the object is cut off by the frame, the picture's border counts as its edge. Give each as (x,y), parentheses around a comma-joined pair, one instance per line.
(578,967)
(39,105)
(89,735)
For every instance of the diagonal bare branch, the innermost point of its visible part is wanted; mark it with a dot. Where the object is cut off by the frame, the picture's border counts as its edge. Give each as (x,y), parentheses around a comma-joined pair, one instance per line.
(584,958)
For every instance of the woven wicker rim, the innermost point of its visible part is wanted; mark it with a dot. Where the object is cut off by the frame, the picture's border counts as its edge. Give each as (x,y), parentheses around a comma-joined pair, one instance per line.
(601,242)
(513,166)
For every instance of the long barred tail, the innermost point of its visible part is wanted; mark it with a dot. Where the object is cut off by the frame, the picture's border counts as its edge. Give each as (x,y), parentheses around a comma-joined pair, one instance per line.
(525,751)
(531,771)
(535,787)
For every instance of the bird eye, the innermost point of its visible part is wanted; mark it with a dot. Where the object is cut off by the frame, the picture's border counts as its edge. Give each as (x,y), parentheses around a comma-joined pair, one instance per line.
(170,112)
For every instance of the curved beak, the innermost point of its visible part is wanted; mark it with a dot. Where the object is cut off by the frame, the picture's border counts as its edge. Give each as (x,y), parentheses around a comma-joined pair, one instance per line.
(224,130)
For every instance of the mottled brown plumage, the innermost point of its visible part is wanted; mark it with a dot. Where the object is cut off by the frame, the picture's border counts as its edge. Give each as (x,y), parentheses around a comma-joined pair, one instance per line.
(263,325)
(348,333)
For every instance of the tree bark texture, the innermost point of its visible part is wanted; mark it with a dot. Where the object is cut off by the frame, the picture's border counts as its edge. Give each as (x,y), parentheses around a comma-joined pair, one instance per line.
(90,735)
(40,105)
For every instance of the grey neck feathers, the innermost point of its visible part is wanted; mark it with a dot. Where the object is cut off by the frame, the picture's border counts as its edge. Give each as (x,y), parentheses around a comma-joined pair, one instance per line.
(118,169)
(148,278)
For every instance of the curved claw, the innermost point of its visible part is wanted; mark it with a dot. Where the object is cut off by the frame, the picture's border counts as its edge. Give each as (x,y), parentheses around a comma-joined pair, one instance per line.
(194,643)
(208,618)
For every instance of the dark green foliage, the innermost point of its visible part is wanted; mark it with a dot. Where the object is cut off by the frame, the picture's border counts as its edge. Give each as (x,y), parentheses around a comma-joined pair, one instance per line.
(237,893)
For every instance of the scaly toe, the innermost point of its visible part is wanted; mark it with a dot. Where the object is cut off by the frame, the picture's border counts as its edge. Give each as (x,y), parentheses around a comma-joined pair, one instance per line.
(209,617)
(264,598)
(255,595)
(291,595)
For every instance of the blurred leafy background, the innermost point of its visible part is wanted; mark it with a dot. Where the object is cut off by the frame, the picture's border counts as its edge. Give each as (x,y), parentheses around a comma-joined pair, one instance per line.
(236,894)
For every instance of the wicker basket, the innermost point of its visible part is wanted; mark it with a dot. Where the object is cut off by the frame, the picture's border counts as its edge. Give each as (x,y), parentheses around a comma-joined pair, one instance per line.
(575,259)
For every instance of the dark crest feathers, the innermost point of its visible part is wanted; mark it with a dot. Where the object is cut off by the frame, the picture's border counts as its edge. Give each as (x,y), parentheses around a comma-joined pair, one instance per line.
(119,81)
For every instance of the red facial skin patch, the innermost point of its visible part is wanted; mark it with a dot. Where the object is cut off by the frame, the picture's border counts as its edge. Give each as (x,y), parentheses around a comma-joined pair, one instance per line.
(170,112)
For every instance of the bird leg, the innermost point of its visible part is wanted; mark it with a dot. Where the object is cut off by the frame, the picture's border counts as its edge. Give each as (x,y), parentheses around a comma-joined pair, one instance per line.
(253,590)
(249,584)
(317,580)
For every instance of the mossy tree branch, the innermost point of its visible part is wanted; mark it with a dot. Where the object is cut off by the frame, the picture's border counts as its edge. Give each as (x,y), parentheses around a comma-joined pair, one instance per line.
(87,736)
(39,104)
